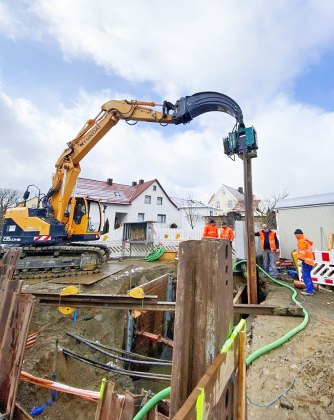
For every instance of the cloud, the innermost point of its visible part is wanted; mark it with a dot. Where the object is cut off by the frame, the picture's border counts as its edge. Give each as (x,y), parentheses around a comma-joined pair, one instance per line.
(295,143)
(245,49)
(249,51)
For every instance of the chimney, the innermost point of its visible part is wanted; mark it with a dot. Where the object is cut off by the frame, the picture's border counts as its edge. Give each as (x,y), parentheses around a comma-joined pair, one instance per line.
(241,190)
(141,181)
(134,183)
(109,181)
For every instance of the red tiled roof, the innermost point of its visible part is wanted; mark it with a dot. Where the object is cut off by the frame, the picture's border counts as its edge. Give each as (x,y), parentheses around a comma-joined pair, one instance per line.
(112,194)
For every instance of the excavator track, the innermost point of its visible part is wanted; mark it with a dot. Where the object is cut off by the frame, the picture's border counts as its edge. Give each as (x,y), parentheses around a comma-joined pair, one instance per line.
(60,260)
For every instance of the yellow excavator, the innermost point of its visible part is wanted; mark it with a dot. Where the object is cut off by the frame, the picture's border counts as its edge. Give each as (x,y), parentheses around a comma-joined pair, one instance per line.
(53,237)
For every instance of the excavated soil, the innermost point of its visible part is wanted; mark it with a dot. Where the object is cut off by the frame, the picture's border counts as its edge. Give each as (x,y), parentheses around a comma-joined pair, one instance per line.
(306,361)
(98,324)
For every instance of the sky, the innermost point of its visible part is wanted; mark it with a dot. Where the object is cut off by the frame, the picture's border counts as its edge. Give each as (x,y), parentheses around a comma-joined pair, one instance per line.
(60,60)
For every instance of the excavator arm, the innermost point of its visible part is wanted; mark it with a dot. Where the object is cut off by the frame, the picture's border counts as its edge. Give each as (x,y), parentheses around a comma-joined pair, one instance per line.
(68,164)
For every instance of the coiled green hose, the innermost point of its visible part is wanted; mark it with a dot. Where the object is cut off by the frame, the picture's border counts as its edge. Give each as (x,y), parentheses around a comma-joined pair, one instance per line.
(155,254)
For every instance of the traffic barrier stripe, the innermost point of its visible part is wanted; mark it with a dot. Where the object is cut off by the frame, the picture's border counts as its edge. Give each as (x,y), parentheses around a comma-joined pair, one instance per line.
(323,269)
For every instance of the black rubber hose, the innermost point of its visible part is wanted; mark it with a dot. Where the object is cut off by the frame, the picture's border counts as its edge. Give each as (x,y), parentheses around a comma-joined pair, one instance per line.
(123,359)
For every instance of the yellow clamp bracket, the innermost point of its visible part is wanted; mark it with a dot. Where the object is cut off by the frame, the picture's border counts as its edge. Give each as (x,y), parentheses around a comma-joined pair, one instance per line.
(137,293)
(69,290)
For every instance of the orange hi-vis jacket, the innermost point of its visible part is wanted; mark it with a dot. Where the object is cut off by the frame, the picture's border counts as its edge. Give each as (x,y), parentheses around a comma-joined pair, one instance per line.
(210,231)
(227,233)
(305,252)
(272,242)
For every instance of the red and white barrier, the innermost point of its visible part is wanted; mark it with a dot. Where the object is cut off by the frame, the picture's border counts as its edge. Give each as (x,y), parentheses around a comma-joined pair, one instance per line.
(323,270)
(42,238)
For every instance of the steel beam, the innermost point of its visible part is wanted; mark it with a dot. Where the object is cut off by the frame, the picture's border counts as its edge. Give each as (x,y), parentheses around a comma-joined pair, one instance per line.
(151,303)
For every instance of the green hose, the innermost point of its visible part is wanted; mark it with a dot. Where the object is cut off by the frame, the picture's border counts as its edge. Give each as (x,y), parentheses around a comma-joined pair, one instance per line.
(288,335)
(165,393)
(155,254)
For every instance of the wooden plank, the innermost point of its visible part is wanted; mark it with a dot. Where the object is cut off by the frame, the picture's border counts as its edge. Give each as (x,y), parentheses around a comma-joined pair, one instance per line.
(237,297)
(12,350)
(241,413)
(204,313)
(20,413)
(8,287)
(209,390)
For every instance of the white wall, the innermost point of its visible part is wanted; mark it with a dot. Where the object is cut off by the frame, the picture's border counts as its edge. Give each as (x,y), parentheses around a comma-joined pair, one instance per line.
(316,223)
(151,211)
(223,196)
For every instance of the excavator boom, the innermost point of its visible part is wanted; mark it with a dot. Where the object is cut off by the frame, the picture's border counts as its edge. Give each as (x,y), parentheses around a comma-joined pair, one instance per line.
(65,218)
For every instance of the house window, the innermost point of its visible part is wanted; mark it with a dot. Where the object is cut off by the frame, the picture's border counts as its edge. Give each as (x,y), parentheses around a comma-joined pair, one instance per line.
(230,204)
(141,217)
(161,218)
(154,187)
(223,192)
(218,204)
(211,213)
(159,201)
(147,199)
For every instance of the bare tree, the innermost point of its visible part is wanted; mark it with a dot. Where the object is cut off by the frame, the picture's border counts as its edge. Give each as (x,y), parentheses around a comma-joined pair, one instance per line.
(191,210)
(8,198)
(265,208)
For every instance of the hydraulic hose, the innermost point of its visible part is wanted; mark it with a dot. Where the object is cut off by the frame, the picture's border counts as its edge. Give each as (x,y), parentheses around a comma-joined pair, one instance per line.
(165,393)
(287,336)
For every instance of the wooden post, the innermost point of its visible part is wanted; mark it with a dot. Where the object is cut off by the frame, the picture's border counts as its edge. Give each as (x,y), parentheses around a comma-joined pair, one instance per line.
(242,377)
(15,315)
(204,313)
(249,218)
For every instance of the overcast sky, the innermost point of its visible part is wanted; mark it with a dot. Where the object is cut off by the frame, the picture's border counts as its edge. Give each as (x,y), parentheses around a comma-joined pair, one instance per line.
(60,60)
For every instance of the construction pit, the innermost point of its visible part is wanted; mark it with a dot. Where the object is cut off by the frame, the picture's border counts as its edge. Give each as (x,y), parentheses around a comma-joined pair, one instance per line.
(300,371)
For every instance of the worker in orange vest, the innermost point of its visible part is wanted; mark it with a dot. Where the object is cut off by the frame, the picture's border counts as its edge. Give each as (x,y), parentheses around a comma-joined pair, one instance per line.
(270,246)
(305,255)
(210,230)
(226,232)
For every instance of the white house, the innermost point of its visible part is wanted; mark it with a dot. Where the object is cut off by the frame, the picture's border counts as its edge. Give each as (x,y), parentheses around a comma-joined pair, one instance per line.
(141,201)
(314,215)
(227,198)
(193,213)
(230,199)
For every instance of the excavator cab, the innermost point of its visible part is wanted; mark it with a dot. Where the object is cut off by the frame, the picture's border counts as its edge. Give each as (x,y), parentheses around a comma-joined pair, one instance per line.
(87,216)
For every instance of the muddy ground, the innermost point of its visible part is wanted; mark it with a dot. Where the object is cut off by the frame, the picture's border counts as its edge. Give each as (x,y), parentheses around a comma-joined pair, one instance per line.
(103,325)
(306,360)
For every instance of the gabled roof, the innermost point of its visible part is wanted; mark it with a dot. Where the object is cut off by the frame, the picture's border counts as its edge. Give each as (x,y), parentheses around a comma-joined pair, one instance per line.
(114,193)
(182,203)
(306,201)
(237,194)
